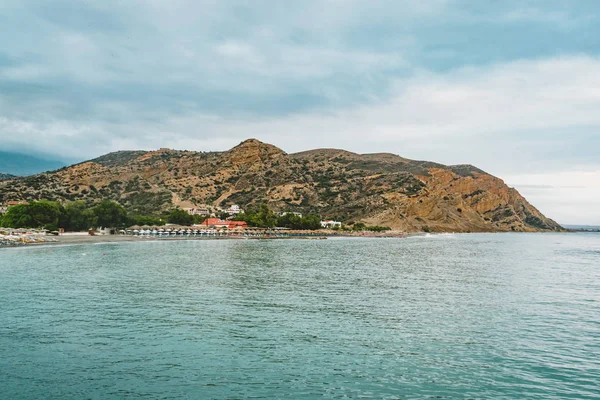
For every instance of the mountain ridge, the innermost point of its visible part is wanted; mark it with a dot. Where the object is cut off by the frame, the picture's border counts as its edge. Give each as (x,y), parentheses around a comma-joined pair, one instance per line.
(6,177)
(379,188)
(19,164)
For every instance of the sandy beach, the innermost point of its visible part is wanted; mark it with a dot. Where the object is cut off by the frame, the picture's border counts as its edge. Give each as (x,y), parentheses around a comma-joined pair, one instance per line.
(87,239)
(84,238)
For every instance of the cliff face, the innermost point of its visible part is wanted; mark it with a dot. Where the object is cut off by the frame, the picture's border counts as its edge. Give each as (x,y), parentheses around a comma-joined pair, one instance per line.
(378,189)
(472,203)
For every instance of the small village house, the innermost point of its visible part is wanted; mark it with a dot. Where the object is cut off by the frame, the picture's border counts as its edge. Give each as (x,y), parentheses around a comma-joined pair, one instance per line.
(16,203)
(197,211)
(297,214)
(237,225)
(234,210)
(331,224)
(220,224)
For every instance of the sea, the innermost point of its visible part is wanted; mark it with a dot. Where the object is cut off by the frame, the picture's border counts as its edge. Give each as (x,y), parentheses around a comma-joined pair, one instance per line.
(450,316)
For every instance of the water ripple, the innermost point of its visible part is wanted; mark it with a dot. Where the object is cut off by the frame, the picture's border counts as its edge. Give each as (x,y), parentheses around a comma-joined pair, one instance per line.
(449,316)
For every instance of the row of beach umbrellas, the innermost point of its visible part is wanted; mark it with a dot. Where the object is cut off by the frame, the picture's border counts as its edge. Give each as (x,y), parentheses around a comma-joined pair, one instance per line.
(23,238)
(174,231)
(192,231)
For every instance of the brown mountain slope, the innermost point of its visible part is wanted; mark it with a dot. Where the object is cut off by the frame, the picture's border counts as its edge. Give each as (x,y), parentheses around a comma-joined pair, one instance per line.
(379,189)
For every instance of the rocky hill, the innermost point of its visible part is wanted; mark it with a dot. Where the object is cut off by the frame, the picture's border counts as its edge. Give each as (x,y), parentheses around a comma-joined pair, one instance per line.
(377,189)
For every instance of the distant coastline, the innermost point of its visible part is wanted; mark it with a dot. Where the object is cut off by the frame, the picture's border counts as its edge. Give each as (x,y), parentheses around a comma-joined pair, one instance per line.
(583,228)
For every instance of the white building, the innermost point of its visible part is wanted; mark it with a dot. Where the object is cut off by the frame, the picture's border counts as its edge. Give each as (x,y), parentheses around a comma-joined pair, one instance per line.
(234,210)
(297,214)
(197,211)
(331,224)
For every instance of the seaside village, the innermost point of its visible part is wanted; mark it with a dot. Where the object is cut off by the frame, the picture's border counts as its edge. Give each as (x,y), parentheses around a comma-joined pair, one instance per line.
(216,223)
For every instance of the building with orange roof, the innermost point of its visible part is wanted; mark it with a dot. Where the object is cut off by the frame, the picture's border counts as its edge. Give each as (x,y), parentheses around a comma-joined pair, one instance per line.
(219,223)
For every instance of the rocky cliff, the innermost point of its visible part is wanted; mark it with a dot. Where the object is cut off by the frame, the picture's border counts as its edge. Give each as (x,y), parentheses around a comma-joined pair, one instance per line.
(378,189)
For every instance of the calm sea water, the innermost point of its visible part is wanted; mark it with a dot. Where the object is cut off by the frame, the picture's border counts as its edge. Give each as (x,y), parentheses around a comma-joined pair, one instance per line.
(452,316)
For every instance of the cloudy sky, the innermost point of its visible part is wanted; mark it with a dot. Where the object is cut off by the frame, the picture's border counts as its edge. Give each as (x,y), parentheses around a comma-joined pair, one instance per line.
(510,86)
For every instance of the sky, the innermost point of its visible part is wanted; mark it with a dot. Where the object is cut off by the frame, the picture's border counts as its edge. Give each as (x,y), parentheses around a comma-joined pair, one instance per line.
(512,87)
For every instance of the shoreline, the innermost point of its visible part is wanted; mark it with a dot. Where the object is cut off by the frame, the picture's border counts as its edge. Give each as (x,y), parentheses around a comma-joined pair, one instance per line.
(82,238)
(74,239)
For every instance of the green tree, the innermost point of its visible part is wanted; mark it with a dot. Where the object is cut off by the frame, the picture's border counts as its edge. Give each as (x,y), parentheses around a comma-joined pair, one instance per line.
(18,217)
(359,226)
(290,220)
(110,214)
(265,217)
(78,217)
(180,217)
(312,222)
(145,220)
(37,214)
(46,212)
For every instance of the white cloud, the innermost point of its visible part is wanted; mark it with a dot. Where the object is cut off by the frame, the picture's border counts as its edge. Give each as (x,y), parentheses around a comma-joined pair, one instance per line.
(505,118)
(571,197)
(496,115)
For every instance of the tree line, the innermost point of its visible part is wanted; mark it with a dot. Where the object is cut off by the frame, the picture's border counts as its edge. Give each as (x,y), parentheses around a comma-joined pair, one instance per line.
(264,217)
(78,216)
